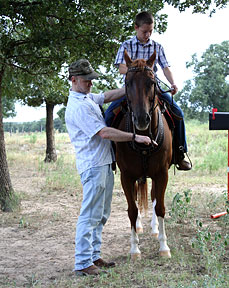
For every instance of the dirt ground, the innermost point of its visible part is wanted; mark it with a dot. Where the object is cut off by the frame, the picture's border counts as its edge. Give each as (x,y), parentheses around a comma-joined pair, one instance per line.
(37,243)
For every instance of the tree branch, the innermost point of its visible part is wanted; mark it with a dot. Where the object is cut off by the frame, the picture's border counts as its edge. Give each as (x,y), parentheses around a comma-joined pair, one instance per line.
(16,4)
(23,69)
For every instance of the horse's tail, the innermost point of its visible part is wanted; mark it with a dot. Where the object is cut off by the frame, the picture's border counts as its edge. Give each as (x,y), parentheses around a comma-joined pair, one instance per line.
(142,195)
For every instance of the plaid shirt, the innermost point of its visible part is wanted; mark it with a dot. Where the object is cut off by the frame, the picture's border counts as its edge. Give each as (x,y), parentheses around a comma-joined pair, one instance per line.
(137,50)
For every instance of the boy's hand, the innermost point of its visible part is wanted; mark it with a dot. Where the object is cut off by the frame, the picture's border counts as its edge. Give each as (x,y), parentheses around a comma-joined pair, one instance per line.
(174,89)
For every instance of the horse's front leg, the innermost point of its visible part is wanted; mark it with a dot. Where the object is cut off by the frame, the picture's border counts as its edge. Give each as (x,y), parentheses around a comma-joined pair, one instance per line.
(135,252)
(164,250)
(154,222)
(160,187)
(128,187)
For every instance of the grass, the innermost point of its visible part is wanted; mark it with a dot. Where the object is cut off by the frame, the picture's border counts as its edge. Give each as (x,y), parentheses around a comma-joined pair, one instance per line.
(199,245)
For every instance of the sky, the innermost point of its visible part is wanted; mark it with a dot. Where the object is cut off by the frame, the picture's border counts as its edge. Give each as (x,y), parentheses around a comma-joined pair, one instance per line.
(186,34)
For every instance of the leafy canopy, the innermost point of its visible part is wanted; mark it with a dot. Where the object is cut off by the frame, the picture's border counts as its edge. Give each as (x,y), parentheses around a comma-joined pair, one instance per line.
(200,6)
(210,86)
(38,36)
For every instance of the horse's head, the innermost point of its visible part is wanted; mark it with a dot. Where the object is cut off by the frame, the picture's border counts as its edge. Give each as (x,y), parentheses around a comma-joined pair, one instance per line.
(140,89)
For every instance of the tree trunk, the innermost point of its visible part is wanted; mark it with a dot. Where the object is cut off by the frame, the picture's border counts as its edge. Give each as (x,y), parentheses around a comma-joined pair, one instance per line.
(6,190)
(50,138)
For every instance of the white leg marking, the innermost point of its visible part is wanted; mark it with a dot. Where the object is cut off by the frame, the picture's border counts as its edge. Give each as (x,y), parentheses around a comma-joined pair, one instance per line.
(154,222)
(164,249)
(139,226)
(134,250)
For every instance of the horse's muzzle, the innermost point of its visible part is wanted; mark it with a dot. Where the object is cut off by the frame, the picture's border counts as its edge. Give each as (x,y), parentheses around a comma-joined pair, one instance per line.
(142,122)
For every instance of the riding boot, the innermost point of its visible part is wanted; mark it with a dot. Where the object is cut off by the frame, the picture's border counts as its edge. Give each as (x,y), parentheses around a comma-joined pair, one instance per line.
(180,163)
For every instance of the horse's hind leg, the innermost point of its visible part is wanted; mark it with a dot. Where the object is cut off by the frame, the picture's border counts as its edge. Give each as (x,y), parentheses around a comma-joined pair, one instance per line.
(160,187)
(139,227)
(154,222)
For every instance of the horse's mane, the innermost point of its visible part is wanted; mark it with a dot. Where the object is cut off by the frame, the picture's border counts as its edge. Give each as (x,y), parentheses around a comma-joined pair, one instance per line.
(140,63)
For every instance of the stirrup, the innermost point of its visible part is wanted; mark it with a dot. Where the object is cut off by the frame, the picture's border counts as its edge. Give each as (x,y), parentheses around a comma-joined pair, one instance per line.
(181,149)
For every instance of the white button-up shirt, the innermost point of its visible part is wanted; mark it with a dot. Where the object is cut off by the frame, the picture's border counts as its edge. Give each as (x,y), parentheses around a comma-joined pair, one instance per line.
(84,119)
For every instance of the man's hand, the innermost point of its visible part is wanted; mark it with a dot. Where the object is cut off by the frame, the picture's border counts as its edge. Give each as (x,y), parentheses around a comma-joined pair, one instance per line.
(143,139)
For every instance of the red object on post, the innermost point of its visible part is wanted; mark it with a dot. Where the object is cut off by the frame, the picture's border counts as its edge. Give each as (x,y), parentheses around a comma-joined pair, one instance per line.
(213,113)
(219,126)
(217,215)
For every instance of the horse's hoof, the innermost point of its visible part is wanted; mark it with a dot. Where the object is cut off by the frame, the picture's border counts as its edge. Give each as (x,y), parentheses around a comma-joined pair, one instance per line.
(139,230)
(136,256)
(165,254)
(155,235)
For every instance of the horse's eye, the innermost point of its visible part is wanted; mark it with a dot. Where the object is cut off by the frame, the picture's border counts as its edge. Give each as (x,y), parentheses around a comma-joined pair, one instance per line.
(150,82)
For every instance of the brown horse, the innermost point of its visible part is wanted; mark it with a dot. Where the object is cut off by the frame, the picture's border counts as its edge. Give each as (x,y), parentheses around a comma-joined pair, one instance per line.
(138,161)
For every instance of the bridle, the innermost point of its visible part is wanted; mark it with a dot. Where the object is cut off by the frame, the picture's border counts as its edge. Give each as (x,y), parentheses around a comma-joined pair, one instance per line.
(153,106)
(143,150)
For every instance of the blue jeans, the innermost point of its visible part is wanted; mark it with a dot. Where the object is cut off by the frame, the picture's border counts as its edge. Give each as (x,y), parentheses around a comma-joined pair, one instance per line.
(98,185)
(179,131)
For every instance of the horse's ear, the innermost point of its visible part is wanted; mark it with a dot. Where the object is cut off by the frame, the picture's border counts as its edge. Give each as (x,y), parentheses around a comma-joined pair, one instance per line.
(151,60)
(127,58)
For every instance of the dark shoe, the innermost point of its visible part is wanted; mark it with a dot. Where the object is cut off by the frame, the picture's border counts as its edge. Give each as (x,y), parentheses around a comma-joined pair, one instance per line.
(184,165)
(101,263)
(91,270)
